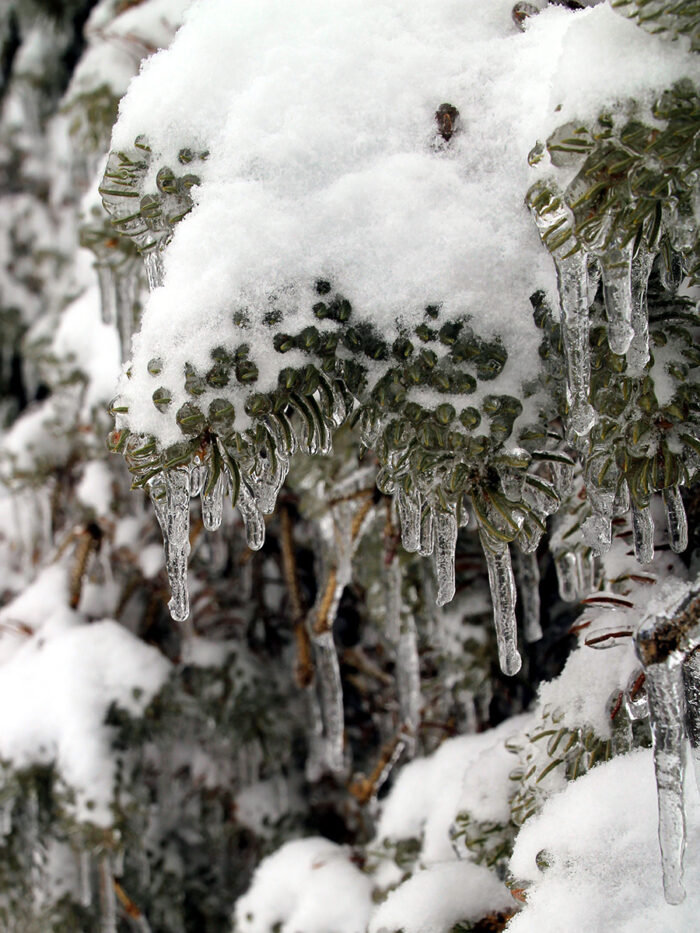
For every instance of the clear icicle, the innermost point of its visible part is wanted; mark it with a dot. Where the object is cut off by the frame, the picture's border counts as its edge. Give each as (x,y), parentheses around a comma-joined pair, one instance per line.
(622,500)
(392,600)
(616,266)
(691,683)
(253,521)
(124,287)
(638,350)
(528,574)
(171,498)
(597,529)
(563,474)
(266,482)
(427,535)
(409,519)
(105,282)
(445,543)
(566,566)
(503,596)
(331,698)
(408,682)
(153,261)
(572,275)
(198,477)
(213,503)
(676,519)
(664,683)
(643,530)
(108,900)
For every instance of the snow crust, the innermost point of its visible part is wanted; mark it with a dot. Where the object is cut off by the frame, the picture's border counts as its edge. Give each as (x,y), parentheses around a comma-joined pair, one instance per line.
(600,834)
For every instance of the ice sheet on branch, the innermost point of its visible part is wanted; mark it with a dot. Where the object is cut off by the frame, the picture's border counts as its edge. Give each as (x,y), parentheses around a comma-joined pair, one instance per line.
(324,160)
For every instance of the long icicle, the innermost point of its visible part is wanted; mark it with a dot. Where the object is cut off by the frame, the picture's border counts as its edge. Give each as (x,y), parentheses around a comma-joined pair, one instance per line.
(171,499)
(643,531)
(691,683)
(638,350)
(445,524)
(528,579)
(572,275)
(676,519)
(616,266)
(331,698)
(503,595)
(409,519)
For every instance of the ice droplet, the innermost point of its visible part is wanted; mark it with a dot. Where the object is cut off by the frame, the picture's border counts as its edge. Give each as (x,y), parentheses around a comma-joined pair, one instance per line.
(676,519)
(616,267)
(445,523)
(572,277)
(213,502)
(409,518)
(643,529)
(153,260)
(691,683)
(566,566)
(528,578)
(170,494)
(331,698)
(253,521)
(664,683)
(503,596)
(108,900)
(408,682)
(638,350)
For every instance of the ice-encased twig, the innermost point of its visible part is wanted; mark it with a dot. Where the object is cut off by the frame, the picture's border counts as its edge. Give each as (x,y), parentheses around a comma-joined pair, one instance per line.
(503,596)
(408,682)
(84,877)
(392,600)
(676,519)
(616,267)
(528,579)
(691,683)
(638,350)
(664,683)
(330,692)
(445,524)
(643,532)
(170,494)
(108,900)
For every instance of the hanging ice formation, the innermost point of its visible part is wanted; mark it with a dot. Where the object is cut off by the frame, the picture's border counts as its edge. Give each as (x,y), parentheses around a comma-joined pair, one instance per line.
(667,644)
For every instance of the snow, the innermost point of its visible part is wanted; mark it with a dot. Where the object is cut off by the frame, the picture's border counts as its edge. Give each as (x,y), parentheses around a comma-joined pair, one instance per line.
(95,487)
(316,888)
(323,162)
(59,685)
(605,873)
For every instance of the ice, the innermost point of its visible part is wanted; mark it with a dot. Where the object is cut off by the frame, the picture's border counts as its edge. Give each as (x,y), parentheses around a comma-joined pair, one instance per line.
(445,523)
(503,595)
(125,285)
(643,528)
(572,275)
(330,692)
(198,476)
(427,534)
(153,260)
(108,899)
(691,683)
(563,474)
(105,281)
(213,500)
(601,490)
(392,578)
(409,506)
(676,519)
(567,568)
(616,267)
(170,494)
(638,350)
(664,683)
(528,580)
(84,877)
(253,520)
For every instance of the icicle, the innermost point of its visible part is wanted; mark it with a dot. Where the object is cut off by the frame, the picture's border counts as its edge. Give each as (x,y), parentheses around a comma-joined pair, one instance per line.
(445,544)
(252,518)
(664,684)
(108,900)
(567,568)
(691,683)
(408,682)
(638,351)
(572,275)
(198,477)
(528,572)
(622,503)
(563,474)
(124,282)
(84,878)
(427,536)
(503,595)
(409,519)
(392,600)
(616,265)
(266,481)
(340,409)
(601,491)
(213,503)
(643,527)
(171,498)
(105,282)
(676,519)
(153,260)
(331,698)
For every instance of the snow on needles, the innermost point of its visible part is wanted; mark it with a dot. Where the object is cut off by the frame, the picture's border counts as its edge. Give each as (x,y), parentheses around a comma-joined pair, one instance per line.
(324,161)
